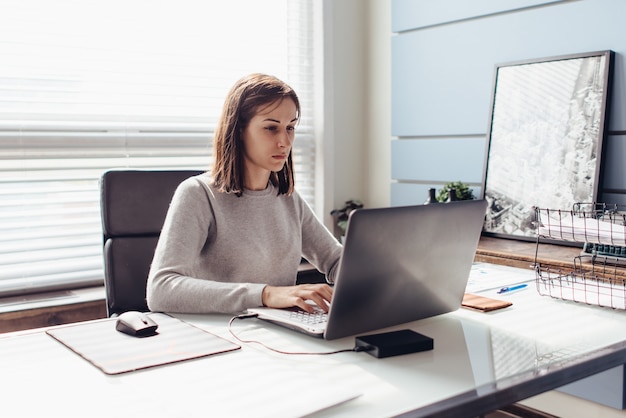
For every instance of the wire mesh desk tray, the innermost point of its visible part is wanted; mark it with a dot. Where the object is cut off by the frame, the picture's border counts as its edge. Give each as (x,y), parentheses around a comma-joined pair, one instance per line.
(598,276)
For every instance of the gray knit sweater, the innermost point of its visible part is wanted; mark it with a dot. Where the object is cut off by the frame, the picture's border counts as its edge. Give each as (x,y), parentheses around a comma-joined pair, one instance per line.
(217,251)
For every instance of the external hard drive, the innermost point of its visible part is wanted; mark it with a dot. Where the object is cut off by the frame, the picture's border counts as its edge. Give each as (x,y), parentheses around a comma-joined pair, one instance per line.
(394,343)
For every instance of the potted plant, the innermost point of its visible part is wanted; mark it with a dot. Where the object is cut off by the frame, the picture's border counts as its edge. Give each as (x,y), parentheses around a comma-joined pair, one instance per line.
(340,216)
(455,190)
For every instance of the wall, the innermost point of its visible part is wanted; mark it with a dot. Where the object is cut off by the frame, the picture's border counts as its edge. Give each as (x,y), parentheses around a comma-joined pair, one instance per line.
(378,88)
(356,103)
(443,58)
(344,102)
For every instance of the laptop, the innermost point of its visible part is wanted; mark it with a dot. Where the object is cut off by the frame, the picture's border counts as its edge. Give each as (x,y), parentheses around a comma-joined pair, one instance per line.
(399,264)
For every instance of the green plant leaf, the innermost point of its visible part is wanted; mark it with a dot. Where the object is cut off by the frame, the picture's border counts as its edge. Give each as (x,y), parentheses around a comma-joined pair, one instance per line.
(463,192)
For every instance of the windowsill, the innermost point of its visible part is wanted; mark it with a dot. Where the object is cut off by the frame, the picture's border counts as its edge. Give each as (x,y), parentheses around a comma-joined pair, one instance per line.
(25,312)
(49,299)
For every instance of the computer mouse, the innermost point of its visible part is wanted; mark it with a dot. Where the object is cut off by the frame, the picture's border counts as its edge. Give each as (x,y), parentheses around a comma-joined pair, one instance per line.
(136,323)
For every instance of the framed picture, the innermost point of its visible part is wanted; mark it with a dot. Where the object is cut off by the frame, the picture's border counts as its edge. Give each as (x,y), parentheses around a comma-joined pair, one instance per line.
(547,123)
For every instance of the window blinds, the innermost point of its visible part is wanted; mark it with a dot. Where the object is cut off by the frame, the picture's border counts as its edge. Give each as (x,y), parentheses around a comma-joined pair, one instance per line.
(89,86)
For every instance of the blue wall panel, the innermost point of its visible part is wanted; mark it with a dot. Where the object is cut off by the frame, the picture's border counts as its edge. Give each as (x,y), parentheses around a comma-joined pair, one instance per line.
(405,194)
(619,199)
(442,76)
(614,162)
(413,14)
(438,160)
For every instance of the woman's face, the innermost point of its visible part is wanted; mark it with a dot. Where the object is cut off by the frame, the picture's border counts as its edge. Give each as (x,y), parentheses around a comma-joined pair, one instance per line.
(267,142)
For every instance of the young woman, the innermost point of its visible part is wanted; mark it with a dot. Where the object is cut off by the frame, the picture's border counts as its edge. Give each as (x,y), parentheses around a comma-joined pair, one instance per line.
(234,239)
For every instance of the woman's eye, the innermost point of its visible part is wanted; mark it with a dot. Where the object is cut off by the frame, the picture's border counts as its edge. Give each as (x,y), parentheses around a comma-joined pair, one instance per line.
(276,128)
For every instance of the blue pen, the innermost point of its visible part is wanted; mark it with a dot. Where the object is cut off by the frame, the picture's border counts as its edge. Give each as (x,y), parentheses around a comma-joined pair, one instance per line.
(512,288)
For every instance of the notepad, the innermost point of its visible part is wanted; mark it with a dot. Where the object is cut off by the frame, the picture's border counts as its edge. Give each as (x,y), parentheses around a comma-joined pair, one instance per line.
(483,303)
(109,350)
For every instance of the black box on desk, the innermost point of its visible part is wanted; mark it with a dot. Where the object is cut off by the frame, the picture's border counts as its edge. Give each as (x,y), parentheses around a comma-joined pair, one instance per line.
(394,343)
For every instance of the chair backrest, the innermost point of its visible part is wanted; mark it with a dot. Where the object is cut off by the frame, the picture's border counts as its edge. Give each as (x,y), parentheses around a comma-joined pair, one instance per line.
(133,205)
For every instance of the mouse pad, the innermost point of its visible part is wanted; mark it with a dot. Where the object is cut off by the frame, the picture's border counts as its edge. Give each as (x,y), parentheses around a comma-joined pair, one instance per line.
(113,352)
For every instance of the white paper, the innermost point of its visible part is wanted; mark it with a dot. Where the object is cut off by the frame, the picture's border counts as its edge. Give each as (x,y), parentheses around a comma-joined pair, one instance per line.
(484,276)
(572,228)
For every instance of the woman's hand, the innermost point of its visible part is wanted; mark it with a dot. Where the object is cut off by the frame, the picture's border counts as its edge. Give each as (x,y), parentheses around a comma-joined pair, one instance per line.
(288,296)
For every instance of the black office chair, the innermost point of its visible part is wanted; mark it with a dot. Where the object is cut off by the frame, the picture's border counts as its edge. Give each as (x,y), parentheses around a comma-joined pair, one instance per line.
(133,206)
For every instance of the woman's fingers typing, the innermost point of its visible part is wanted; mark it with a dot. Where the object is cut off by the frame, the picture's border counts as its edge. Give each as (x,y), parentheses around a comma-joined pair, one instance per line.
(299,295)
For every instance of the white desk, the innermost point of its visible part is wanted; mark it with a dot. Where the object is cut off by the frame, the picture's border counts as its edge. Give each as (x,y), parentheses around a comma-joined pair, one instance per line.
(480,362)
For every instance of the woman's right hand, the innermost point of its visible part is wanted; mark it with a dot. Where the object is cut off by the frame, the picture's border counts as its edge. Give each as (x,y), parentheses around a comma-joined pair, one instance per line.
(288,296)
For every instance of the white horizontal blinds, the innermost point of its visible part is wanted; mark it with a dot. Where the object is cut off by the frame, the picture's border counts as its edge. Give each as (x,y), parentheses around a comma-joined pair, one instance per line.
(88,86)
(301,75)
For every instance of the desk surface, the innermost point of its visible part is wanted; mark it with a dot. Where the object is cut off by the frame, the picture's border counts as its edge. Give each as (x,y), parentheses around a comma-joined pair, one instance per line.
(481,361)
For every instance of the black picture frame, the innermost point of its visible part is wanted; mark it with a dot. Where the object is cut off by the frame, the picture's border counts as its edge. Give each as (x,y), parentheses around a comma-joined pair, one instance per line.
(547,123)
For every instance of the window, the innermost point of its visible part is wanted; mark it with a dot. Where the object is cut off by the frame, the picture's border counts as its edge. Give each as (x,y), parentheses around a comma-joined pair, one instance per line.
(88,86)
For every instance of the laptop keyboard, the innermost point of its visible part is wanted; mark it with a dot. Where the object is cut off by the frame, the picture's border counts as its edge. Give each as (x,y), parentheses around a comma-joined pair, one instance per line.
(317,317)
(297,315)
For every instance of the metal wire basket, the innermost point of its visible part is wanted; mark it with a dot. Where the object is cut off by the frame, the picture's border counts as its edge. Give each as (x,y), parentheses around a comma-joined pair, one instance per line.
(598,276)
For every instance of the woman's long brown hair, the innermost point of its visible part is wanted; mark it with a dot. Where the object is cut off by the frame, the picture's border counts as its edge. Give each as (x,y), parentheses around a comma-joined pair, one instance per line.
(246,98)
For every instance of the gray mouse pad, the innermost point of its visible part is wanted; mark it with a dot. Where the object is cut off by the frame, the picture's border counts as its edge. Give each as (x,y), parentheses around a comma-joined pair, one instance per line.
(113,352)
